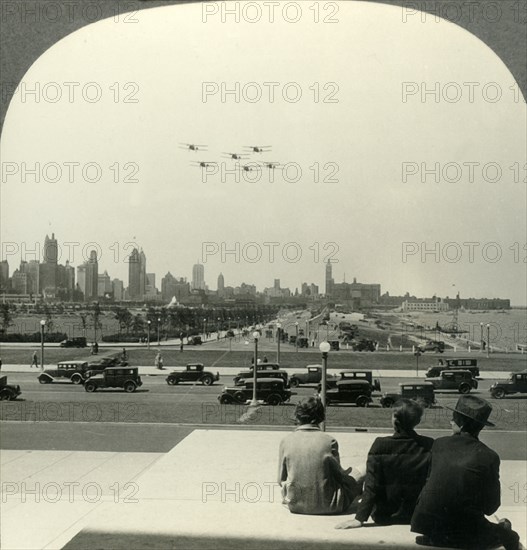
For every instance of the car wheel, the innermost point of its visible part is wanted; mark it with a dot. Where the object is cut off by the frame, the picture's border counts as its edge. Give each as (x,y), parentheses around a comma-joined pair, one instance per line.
(4,396)
(499,393)
(274,399)
(387,403)
(76,379)
(294,383)
(44,380)
(226,399)
(240,397)
(362,401)
(129,387)
(171,381)
(207,380)
(464,388)
(90,387)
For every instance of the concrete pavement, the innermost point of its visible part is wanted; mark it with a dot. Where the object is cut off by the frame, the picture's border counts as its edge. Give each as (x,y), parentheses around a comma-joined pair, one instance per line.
(215,489)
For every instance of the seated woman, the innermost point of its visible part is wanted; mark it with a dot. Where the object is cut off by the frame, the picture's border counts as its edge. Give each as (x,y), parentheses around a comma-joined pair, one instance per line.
(312,479)
(396,471)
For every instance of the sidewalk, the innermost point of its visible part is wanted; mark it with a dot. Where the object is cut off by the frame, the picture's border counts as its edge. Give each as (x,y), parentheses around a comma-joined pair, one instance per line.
(214,490)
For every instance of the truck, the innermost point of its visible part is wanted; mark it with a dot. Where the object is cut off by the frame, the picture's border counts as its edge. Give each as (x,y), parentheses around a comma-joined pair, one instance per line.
(516,383)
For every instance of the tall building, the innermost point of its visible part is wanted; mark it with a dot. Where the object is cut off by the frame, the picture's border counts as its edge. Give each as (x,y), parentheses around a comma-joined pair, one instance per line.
(92,277)
(329,278)
(118,290)
(19,282)
(136,275)
(48,267)
(198,277)
(172,287)
(150,287)
(104,285)
(81,278)
(221,285)
(32,269)
(4,274)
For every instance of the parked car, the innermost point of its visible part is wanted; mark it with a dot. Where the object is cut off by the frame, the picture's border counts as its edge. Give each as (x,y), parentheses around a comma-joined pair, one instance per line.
(104,362)
(460,380)
(76,371)
(193,372)
(453,364)
(115,377)
(357,392)
(363,345)
(335,345)
(516,383)
(312,375)
(272,391)
(292,339)
(194,341)
(77,342)
(333,381)
(432,345)
(264,370)
(302,342)
(422,392)
(229,334)
(8,392)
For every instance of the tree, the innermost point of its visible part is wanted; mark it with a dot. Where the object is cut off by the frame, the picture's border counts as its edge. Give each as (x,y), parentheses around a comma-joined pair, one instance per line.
(6,317)
(138,324)
(96,316)
(49,318)
(123,317)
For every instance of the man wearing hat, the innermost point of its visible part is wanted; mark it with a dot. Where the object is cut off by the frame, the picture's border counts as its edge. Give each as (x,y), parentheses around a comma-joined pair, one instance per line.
(463,487)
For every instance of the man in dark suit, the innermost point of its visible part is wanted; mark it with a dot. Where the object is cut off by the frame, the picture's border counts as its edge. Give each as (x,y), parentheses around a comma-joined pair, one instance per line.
(396,471)
(463,486)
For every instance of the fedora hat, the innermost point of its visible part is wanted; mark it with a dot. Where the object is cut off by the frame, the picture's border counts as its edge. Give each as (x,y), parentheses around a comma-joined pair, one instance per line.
(474,408)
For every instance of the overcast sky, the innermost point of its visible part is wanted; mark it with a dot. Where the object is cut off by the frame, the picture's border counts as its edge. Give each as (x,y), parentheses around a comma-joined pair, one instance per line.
(368,132)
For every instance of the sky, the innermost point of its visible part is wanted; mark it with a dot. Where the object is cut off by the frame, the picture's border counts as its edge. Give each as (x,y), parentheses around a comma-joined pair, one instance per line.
(356,144)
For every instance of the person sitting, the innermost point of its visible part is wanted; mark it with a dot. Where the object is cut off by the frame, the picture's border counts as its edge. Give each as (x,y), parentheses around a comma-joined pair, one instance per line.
(463,487)
(396,471)
(312,479)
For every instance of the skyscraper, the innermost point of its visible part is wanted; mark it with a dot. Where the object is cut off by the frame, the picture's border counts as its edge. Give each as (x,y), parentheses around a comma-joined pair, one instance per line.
(329,278)
(92,277)
(198,277)
(48,268)
(137,275)
(221,285)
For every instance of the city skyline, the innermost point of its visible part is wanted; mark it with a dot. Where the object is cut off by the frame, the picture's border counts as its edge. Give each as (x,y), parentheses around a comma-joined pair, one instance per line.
(389,165)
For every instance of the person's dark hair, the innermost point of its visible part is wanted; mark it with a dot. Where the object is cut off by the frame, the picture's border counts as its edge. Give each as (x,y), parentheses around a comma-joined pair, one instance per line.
(467,424)
(310,411)
(407,414)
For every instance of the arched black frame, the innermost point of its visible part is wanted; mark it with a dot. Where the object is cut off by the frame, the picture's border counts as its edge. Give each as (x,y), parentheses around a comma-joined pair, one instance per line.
(24,37)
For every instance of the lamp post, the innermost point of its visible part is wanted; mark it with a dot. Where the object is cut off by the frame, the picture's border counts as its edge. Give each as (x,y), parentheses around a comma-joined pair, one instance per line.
(481,337)
(204,328)
(278,332)
(417,355)
(148,334)
(488,340)
(256,335)
(42,325)
(219,327)
(158,326)
(296,339)
(324,348)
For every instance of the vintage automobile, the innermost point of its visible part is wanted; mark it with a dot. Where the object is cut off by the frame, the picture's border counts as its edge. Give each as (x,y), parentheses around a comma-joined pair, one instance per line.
(292,339)
(363,344)
(76,371)
(193,372)
(115,377)
(333,381)
(460,380)
(357,392)
(264,370)
(104,362)
(272,391)
(312,375)
(516,383)
(194,341)
(422,392)
(77,342)
(432,345)
(302,342)
(229,334)
(453,364)
(8,392)
(335,345)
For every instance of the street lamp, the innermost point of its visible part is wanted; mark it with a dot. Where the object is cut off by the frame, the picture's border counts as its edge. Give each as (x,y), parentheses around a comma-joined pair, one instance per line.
(488,340)
(148,337)
(417,355)
(256,335)
(481,342)
(42,325)
(324,348)
(296,340)
(204,328)
(158,326)
(278,332)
